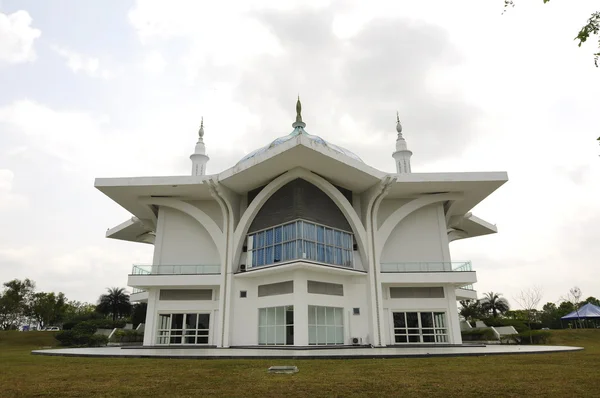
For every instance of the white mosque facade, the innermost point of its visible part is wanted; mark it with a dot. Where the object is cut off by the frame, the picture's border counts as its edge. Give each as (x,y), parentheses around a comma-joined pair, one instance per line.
(302,244)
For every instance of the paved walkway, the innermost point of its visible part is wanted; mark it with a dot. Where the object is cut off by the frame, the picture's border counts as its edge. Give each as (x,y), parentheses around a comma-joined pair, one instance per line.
(387,352)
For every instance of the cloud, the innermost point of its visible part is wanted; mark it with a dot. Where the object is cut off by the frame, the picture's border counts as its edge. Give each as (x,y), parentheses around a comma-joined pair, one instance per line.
(82,273)
(8,199)
(83,63)
(17,38)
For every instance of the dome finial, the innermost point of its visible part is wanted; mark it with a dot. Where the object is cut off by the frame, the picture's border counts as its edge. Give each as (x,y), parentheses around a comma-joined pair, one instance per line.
(298,122)
(398,125)
(201,131)
(298,110)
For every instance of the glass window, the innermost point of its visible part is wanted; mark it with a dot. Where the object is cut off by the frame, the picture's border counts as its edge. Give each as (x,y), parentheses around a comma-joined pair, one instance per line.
(420,327)
(179,329)
(325,325)
(302,240)
(276,325)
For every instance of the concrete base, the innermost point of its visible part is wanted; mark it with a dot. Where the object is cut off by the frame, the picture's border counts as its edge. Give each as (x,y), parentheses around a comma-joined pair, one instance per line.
(342,353)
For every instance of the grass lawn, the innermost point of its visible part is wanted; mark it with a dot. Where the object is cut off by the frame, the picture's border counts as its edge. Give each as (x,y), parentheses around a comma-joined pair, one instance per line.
(547,375)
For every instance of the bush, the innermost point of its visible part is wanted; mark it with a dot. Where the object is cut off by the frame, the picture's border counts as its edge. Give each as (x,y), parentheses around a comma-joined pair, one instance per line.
(128,336)
(520,326)
(87,327)
(536,337)
(97,340)
(478,335)
(81,335)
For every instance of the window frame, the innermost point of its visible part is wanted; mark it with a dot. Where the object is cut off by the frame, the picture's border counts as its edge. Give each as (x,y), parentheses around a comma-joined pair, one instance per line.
(286,325)
(166,333)
(327,325)
(439,332)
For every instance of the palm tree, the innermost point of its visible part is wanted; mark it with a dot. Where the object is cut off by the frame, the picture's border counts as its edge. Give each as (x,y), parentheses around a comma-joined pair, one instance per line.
(116,302)
(492,302)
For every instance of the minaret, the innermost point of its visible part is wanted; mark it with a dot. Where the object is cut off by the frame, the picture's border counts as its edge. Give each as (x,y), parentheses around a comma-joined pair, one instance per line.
(402,154)
(199,158)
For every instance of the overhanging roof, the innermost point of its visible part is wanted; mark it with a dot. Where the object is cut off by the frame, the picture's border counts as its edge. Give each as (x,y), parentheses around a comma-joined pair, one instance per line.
(133,230)
(336,167)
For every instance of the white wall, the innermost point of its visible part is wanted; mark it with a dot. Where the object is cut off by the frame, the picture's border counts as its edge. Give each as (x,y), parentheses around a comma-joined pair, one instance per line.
(181,240)
(244,319)
(420,237)
(387,207)
(211,208)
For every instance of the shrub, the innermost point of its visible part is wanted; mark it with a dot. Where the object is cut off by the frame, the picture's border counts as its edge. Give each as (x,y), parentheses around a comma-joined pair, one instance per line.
(97,340)
(536,337)
(520,326)
(86,327)
(81,335)
(128,336)
(478,335)
(65,337)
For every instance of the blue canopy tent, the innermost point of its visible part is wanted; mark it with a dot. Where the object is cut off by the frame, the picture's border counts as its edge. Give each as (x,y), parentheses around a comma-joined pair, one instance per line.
(589,312)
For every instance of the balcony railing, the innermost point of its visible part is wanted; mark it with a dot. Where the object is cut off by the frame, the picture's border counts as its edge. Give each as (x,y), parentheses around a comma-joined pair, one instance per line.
(467,287)
(176,270)
(427,267)
(135,290)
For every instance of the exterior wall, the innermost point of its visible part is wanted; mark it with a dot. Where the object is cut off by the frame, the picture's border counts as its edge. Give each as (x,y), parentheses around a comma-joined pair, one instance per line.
(387,207)
(420,237)
(446,304)
(244,327)
(181,240)
(211,208)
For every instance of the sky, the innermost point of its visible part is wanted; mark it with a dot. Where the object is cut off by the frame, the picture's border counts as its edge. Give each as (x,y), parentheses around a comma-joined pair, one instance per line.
(117,88)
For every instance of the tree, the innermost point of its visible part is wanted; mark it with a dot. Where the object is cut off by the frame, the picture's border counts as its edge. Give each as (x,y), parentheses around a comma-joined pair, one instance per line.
(138,313)
(115,303)
(470,310)
(592,27)
(47,308)
(529,299)
(76,309)
(493,303)
(14,302)
(592,300)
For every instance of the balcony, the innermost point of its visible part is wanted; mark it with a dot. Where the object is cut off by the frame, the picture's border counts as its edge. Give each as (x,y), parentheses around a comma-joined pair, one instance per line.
(138,296)
(145,276)
(466,293)
(459,274)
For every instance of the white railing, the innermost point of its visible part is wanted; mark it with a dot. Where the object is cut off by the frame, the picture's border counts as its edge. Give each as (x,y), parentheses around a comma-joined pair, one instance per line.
(176,269)
(427,267)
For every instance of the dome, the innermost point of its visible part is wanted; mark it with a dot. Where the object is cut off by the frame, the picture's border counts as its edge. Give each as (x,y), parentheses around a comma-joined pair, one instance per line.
(299,130)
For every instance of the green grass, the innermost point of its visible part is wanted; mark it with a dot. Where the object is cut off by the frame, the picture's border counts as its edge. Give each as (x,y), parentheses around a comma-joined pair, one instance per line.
(547,375)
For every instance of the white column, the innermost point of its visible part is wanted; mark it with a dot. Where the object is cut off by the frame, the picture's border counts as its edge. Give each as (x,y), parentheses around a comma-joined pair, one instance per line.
(151,317)
(300,309)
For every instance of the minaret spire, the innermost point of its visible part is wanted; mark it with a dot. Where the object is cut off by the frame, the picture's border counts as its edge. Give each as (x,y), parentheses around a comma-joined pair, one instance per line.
(201,130)
(402,154)
(199,157)
(298,122)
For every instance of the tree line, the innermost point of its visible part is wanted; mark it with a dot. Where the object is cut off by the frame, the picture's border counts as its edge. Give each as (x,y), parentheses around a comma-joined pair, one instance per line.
(495,310)
(21,304)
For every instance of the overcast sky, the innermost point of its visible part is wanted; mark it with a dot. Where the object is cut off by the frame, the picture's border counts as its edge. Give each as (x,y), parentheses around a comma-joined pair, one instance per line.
(117,88)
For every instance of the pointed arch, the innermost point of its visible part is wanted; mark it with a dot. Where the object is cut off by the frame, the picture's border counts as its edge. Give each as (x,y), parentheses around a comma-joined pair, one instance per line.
(208,223)
(386,229)
(331,191)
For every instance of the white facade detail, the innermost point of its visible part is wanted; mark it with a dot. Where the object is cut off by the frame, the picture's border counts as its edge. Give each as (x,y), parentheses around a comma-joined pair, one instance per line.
(301,243)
